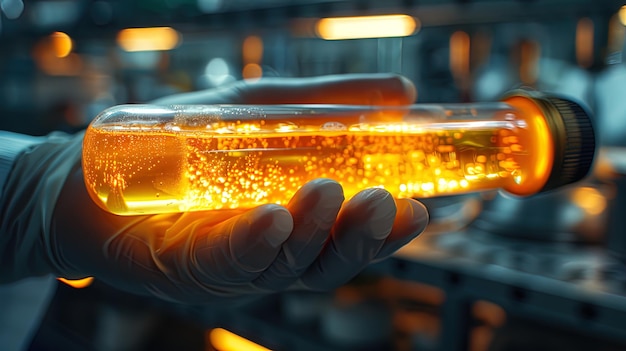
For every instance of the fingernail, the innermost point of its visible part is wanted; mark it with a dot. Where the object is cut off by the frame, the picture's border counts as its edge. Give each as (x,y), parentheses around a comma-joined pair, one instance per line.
(281,227)
(331,198)
(414,212)
(331,191)
(382,211)
(411,221)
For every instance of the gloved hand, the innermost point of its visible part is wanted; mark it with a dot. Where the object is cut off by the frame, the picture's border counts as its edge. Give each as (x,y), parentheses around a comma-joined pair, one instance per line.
(317,242)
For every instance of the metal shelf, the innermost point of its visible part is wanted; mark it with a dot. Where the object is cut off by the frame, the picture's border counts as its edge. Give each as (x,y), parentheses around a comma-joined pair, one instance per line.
(588,300)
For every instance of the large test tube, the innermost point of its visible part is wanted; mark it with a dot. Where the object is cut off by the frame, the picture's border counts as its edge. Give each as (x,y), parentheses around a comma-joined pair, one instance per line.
(142,159)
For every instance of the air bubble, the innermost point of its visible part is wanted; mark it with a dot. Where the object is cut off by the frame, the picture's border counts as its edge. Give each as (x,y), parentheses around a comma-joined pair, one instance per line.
(334,126)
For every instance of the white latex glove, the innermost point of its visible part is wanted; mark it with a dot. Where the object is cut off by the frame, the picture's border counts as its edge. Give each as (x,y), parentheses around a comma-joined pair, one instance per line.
(316,242)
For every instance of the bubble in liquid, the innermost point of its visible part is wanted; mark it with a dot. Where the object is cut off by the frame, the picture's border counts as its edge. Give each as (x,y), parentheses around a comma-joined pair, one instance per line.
(286,127)
(334,126)
(171,127)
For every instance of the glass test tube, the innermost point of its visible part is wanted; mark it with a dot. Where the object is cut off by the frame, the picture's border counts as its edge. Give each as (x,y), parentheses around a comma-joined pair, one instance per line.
(144,159)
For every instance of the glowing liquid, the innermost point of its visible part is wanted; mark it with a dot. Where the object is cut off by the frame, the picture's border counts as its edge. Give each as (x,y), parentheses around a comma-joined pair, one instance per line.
(132,170)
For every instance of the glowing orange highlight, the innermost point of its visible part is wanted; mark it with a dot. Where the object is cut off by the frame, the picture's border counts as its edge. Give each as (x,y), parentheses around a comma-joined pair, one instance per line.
(148,39)
(224,340)
(252,49)
(537,140)
(590,200)
(243,164)
(61,44)
(53,56)
(460,54)
(252,71)
(383,26)
(77,283)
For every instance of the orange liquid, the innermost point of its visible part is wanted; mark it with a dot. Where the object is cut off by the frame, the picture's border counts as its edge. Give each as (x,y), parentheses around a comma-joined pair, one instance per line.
(153,170)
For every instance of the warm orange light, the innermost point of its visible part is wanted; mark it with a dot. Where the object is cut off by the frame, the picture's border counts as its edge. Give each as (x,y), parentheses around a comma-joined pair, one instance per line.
(384,26)
(540,146)
(77,283)
(584,42)
(148,39)
(489,312)
(252,71)
(529,61)
(53,56)
(232,158)
(61,44)
(590,200)
(616,33)
(224,340)
(460,54)
(622,15)
(252,49)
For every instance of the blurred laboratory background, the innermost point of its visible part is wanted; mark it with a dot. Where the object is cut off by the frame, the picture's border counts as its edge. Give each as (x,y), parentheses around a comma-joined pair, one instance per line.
(491,272)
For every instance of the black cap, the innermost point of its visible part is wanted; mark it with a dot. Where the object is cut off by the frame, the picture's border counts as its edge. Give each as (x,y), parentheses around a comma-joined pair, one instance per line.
(573,134)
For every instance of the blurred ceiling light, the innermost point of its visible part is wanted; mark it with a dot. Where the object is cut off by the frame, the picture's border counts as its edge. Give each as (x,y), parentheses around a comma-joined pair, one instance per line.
(148,39)
(622,15)
(224,340)
(529,54)
(460,55)
(61,44)
(615,40)
(53,56)
(590,200)
(383,26)
(217,71)
(252,49)
(584,42)
(12,8)
(252,71)
(77,283)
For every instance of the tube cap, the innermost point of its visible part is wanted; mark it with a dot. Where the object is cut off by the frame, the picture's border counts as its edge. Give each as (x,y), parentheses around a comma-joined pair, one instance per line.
(573,134)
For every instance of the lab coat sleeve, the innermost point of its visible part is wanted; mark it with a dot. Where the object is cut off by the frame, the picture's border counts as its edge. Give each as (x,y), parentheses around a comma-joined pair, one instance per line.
(23,303)
(11,145)
(29,196)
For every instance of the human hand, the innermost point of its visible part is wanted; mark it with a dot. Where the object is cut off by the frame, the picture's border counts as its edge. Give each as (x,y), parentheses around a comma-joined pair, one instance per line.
(316,242)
